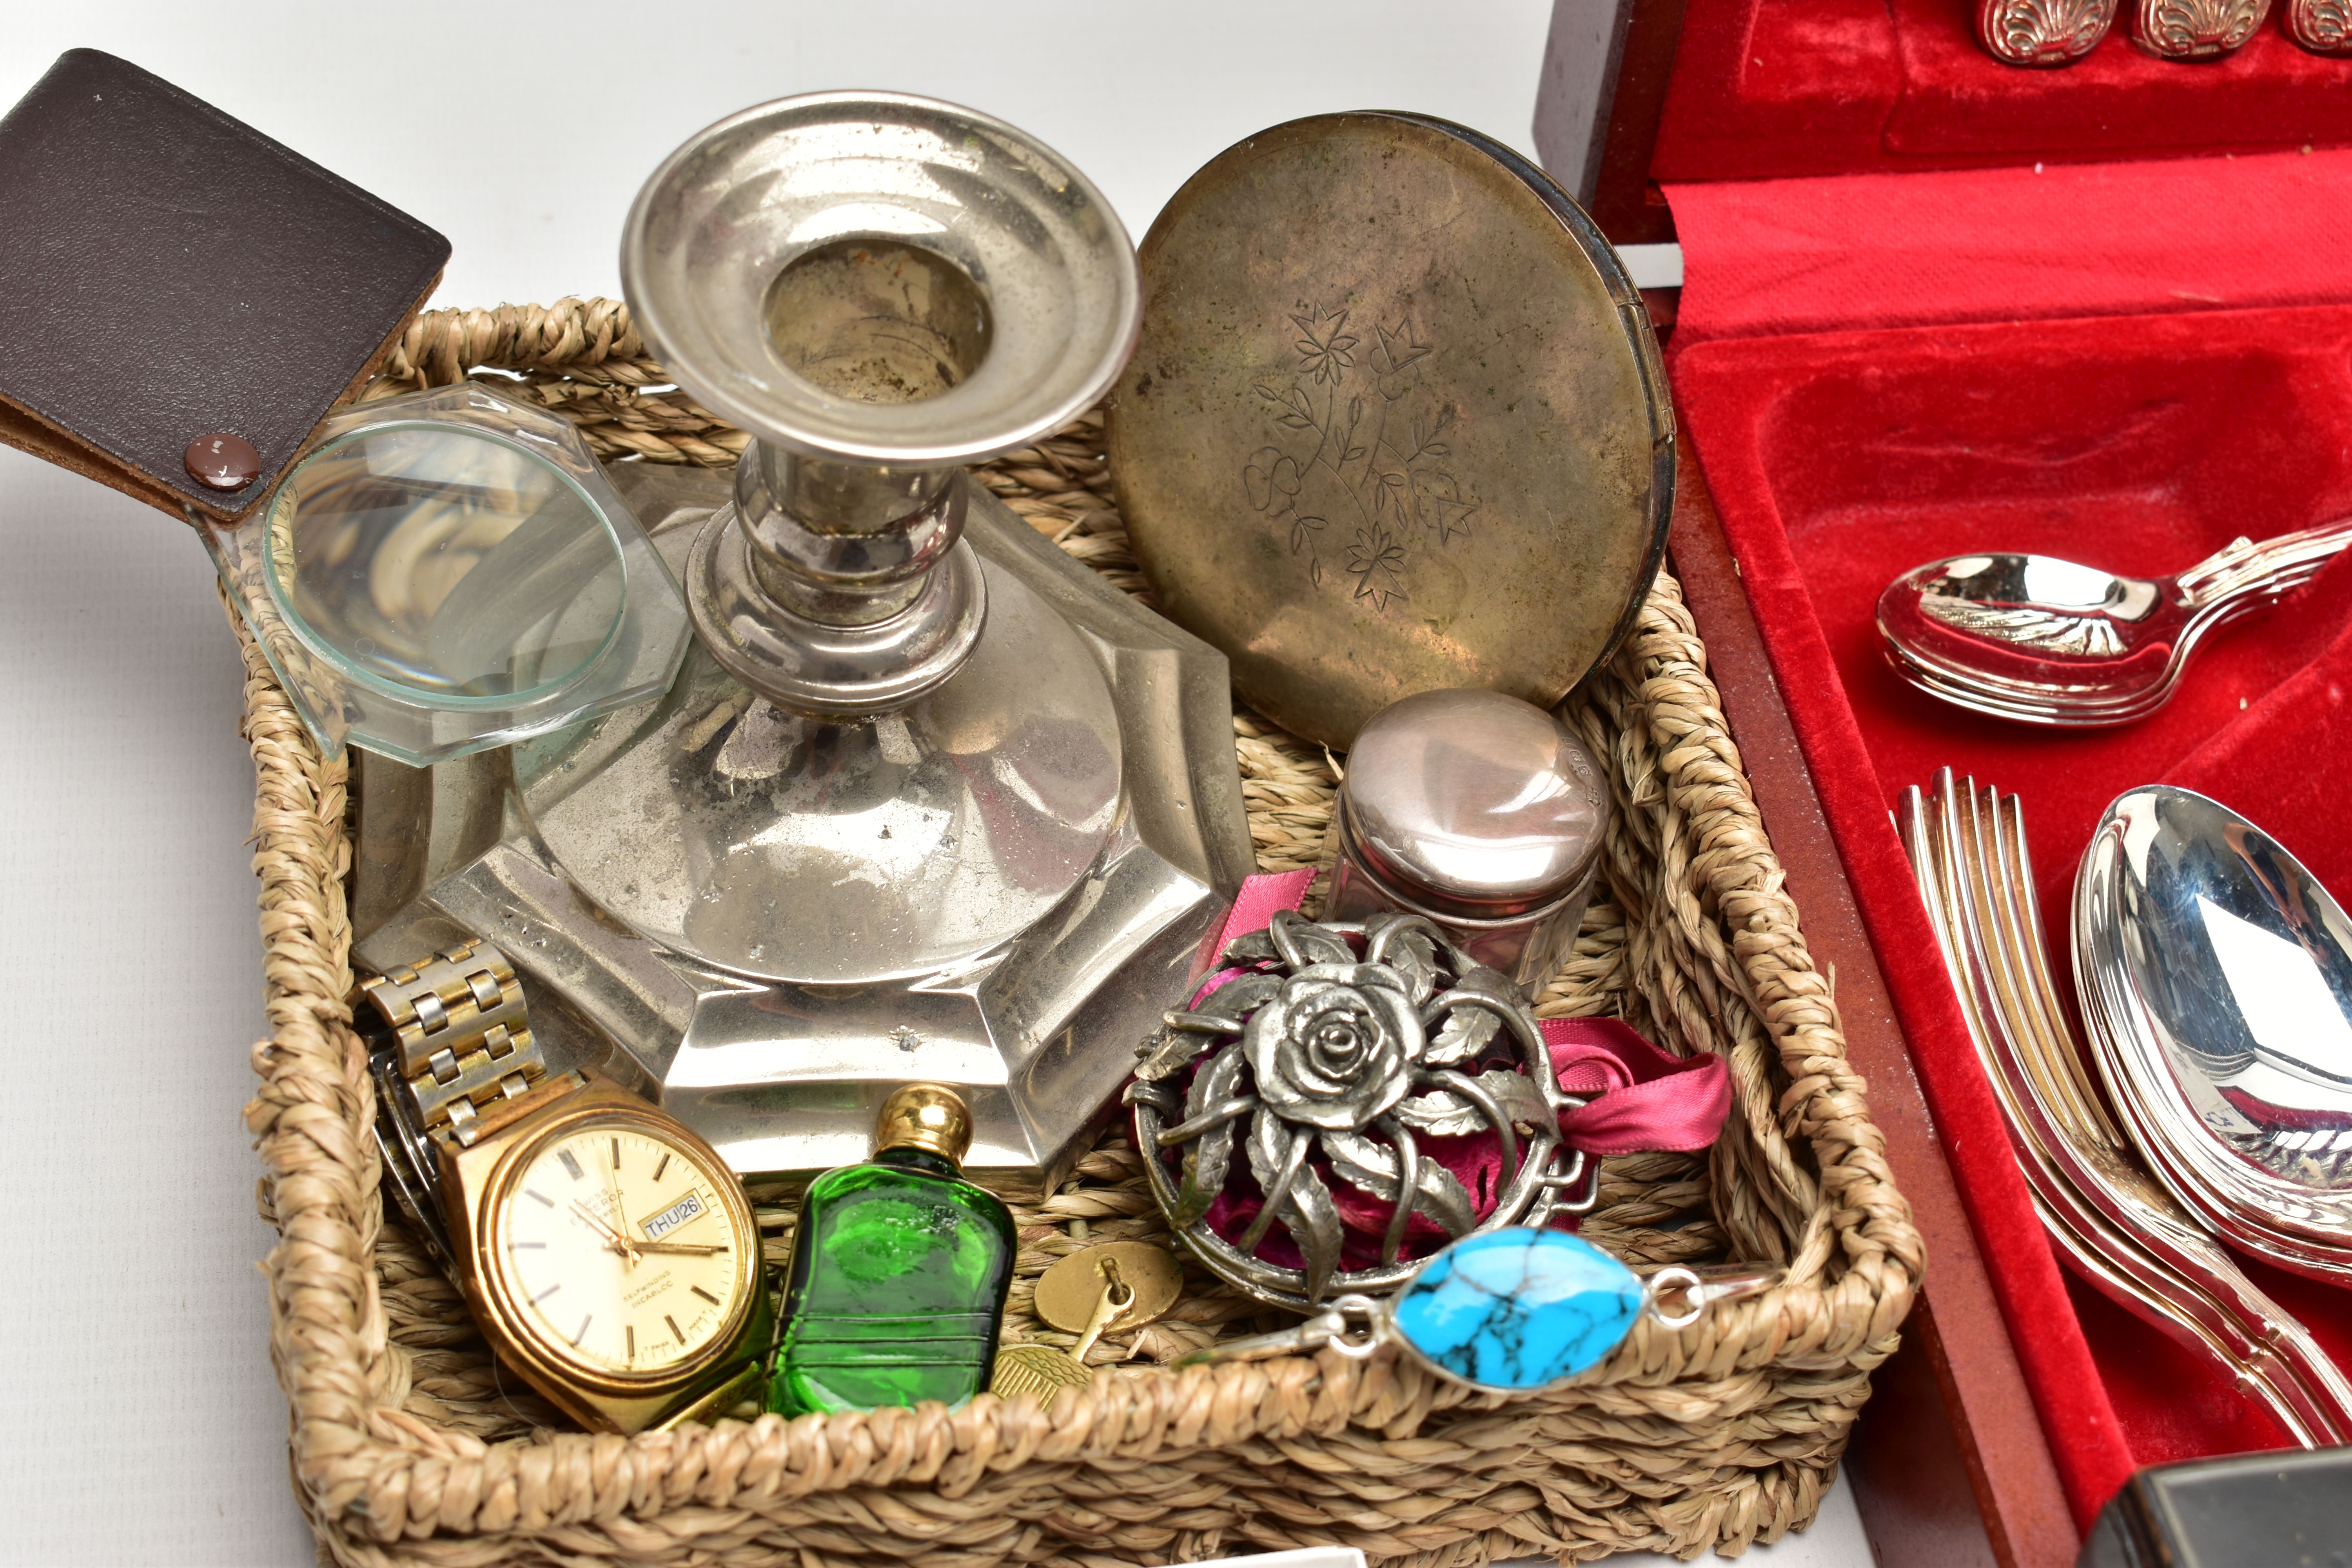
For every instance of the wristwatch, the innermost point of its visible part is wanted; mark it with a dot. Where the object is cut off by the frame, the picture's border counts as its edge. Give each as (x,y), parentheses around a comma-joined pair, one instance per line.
(609,1254)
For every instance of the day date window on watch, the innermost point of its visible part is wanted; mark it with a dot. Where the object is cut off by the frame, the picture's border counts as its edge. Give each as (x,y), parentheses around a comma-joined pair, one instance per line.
(670,1218)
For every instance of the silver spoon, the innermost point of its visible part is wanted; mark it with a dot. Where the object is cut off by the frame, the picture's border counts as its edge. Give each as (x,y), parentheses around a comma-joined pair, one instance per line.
(2216,981)
(2046,641)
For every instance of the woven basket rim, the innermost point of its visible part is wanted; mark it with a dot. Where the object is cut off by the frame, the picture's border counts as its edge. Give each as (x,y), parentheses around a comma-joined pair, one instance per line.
(371,1474)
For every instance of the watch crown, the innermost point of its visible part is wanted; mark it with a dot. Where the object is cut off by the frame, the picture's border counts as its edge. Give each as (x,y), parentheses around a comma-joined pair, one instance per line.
(927,1116)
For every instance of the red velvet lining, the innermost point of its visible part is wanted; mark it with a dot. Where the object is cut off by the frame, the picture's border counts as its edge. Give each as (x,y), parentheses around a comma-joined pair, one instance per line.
(2088,239)
(2137,442)
(1775,87)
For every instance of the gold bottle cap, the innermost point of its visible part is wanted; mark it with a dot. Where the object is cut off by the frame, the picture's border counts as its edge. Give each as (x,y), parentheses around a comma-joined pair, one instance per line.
(925,1116)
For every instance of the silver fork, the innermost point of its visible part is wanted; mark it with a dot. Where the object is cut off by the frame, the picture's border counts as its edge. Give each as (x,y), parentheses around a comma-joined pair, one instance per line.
(2100,1207)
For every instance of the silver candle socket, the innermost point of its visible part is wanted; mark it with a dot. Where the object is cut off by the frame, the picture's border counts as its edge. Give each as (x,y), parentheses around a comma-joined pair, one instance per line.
(1480,812)
(880,289)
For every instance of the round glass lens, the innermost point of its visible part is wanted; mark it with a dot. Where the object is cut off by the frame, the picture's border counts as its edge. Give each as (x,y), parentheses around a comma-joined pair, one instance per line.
(443,563)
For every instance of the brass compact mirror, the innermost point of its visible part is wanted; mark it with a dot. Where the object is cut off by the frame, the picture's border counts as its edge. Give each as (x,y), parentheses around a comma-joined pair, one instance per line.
(1396,423)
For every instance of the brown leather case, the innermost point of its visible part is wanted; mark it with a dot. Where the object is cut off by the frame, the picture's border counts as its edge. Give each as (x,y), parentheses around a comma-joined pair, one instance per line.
(167,273)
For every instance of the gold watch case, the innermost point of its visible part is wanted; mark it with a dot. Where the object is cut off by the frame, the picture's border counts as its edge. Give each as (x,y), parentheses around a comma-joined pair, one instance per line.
(532,1206)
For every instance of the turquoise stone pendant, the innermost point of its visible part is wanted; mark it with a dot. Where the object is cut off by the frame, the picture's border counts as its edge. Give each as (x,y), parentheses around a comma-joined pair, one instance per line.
(1509,1312)
(1517,1309)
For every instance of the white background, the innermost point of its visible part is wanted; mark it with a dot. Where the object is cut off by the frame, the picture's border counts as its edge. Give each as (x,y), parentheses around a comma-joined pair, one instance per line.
(143,1423)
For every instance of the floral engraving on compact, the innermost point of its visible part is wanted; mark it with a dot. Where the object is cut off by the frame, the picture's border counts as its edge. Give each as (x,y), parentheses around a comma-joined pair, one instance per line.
(1363,473)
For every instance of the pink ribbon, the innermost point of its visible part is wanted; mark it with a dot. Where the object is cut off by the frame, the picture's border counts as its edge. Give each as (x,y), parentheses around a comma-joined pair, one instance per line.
(1254,910)
(1635,1096)
(1638,1097)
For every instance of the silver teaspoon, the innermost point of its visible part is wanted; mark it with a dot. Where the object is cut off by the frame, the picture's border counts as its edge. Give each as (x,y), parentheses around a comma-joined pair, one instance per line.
(2216,981)
(2046,641)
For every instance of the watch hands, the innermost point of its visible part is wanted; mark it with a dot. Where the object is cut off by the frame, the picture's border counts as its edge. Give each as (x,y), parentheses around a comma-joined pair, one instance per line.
(620,1214)
(620,1227)
(685,1249)
(614,1240)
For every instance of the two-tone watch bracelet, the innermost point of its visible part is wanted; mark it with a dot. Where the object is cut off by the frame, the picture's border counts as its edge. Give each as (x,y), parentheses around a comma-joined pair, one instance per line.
(447,1036)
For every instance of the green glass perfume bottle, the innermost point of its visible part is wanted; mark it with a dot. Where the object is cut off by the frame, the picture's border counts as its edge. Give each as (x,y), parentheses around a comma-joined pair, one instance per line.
(899,1270)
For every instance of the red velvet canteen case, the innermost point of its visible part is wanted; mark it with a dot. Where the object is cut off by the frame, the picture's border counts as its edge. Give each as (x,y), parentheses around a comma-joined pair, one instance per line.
(1933,303)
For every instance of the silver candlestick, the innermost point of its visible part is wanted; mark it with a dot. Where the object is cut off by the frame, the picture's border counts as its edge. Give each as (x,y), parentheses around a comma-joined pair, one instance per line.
(914,810)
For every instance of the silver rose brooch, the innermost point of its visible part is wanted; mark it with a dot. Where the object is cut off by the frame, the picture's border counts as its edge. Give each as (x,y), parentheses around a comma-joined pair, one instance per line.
(1388,1095)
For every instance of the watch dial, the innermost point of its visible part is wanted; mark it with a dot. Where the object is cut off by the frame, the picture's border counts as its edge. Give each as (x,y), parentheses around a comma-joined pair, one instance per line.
(617,1249)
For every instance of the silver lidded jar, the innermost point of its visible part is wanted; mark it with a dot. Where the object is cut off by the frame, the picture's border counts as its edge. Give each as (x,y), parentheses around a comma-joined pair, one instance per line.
(1483,812)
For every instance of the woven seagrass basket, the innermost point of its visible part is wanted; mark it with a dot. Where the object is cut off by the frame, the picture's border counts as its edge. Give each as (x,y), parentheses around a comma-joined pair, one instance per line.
(410,1447)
